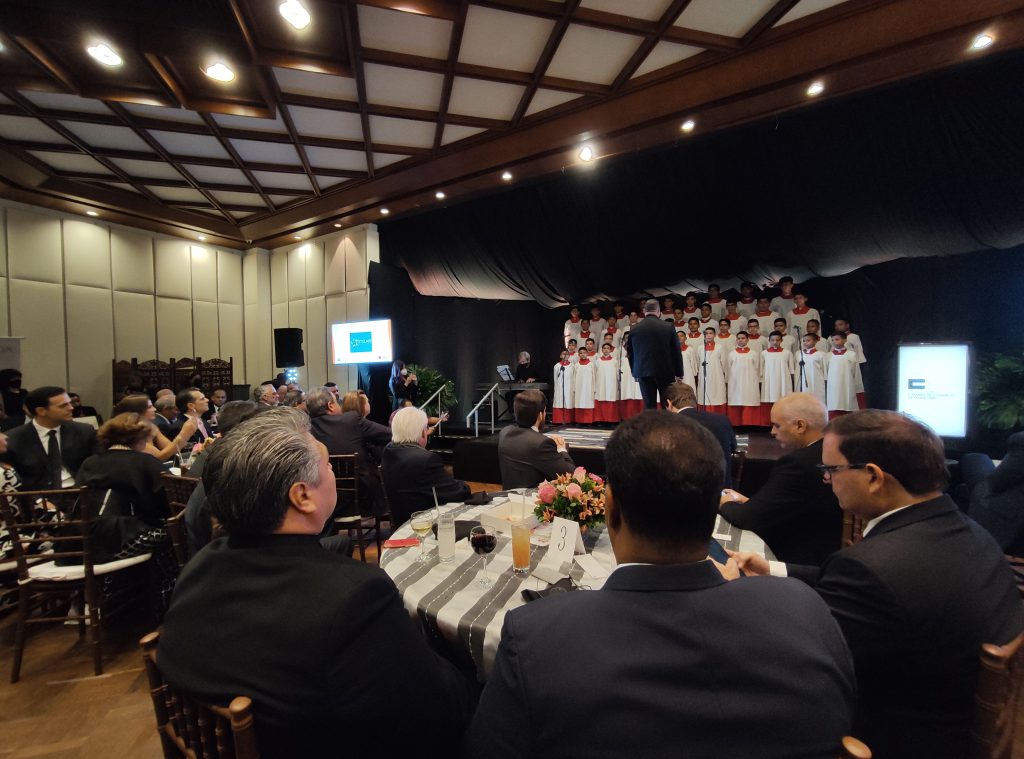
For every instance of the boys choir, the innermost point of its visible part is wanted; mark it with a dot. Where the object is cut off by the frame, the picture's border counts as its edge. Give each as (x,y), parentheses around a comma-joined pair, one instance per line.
(739,356)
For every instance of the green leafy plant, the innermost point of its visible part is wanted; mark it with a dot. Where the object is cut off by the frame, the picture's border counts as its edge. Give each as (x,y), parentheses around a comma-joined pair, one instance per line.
(1000,380)
(428,380)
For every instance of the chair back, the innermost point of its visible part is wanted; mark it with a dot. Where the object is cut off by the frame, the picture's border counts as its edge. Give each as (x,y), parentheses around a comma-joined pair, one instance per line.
(346,476)
(55,521)
(996,698)
(189,727)
(854,749)
(179,489)
(738,459)
(853,530)
(176,531)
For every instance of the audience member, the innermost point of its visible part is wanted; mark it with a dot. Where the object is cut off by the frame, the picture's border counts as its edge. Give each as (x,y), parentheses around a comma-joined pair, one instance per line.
(320,640)
(412,474)
(78,410)
(668,658)
(192,404)
(162,392)
(997,502)
(166,412)
(918,596)
(294,399)
(13,397)
(9,480)
(402,385)
(682,400)
(161,446)
(525,456)
(266,395)
(794,512)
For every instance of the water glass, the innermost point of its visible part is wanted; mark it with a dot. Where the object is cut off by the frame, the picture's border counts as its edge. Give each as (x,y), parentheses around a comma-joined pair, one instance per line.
(446,537)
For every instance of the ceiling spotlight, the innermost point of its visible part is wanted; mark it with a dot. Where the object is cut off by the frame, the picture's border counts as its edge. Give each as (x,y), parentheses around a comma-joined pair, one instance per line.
(337,226)
(220,72)
(982,41)
(817,87)
(586,153)
(507,176)
(91,213)
(297,237)
(104,55)
(295,14)
(688,125)
(201,238)
(384,211)
(439,195)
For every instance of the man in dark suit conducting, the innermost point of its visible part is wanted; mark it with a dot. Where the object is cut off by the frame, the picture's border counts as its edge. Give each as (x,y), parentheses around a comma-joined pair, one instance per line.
(682,400)
(667,659)
(525,455)
(654,356)
(917,596)
(47,452)
(795,512)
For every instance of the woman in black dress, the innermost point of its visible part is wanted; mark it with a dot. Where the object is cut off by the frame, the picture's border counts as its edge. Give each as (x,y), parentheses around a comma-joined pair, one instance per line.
(402,385)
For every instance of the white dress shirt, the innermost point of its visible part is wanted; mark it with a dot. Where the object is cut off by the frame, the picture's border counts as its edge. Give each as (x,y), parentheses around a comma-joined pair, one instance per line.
(67,480)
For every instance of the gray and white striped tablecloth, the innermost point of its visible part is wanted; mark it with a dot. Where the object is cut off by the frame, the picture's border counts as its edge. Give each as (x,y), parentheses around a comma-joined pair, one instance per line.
(449,603)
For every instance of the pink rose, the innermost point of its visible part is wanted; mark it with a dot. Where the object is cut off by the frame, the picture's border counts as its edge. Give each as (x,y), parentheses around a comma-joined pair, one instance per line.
(197,447)
(580,474)
(574,491)
(546,493)
(597,479)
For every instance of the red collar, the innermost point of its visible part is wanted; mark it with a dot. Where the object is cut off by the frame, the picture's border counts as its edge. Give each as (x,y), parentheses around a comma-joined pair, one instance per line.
(743,350)
(838,351)
(812,350)
(576,320)
(748,300)
(726,336)
(683,346)
(801,311)
(583,361)
(775,350)
(693,334)
(606,358)
(733,317)
(679,324)
(709,347)
(763,313)
(585,333)
(564,363)
(706,321)
(613,330)
(693,310)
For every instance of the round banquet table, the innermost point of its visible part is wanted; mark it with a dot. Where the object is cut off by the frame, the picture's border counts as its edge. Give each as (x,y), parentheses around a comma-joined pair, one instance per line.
(465,618)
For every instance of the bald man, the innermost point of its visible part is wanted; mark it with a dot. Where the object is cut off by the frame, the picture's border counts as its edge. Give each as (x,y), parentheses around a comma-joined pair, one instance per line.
(795,512)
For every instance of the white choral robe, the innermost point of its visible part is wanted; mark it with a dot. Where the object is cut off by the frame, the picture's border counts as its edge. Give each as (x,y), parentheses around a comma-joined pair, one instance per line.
(712,322)
(681,326)
(739,324)
(841,392)
(854,344)
(711,385)
(778,375)
(616,337)
(758,343)
(717,308)
(694,341)
(766,323)
(815,372)
(790,344)
(688,314)
(581,340)
(783,306)
(746,309)
(607,388)
(798,320)
(584,381)
(629,388)
(599,327)
(690,362)
(745,377)
(562,387)
(571,330)
(726,343)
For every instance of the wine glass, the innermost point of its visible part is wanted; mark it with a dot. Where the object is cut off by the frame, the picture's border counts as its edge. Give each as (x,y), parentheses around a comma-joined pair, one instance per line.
(483,540)
(422,524)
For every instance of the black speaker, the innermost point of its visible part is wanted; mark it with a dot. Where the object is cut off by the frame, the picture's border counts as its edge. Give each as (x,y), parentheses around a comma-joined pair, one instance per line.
(288,347)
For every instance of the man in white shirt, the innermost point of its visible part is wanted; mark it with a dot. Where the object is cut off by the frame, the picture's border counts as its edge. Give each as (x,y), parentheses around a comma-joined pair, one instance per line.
(192,404)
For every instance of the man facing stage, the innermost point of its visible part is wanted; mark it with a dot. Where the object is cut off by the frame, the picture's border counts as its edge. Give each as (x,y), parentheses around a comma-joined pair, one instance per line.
(654,355)
(525,455)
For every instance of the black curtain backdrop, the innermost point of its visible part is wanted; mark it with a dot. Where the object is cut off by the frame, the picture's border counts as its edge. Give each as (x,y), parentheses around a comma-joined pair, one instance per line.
(934,167)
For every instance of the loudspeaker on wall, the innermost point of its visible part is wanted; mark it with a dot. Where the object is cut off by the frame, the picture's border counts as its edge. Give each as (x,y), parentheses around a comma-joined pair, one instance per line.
(288,347)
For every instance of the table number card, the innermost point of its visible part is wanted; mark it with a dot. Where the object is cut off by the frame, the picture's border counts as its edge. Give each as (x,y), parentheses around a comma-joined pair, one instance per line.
(566,540)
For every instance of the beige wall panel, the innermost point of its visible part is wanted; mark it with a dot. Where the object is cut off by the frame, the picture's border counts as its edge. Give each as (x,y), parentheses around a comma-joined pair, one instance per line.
(316,340)
(297,271)
(297,318)
(37,314)
(279,316)
(258,345)
(90,345)
(232,338)
(204,274)
(3,246)
(279,276)
(132,261)
(355,263)
(173,327)
(334,278)
(4,302)
(336,315)
(229,278)
(173,270)
(205,329)
(315,270)
(134,326)
(358,306)
(250,277)
(86,254)
(33,242)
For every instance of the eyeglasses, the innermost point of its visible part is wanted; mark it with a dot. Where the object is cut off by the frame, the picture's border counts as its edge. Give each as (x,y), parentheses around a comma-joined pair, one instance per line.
(827,470)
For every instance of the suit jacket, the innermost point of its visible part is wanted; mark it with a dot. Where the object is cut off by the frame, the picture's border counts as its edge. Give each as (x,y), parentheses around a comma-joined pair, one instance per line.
(654,350)
(526,457)
(333,643)
(164,424)
(135,480)
(351,433)
(26,453)
(795,512)
(719,426)
(916,598)
(409,474)
(668,661)
(172,431)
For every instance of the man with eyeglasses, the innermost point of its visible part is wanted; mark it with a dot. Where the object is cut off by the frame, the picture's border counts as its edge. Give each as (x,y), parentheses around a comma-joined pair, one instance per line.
(917,596)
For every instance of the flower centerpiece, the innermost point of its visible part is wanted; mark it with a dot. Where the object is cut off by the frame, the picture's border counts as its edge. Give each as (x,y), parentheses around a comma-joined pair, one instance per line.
(578,496)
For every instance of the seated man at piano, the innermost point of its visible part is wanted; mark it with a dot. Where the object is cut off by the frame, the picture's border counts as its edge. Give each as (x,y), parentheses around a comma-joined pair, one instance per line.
(524,369)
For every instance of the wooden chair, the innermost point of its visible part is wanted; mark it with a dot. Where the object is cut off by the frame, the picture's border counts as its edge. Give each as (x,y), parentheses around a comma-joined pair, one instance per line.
(853,530)
(738,459)
(854,749)
(996,698)
(65,534)
(347,514)
(189,727)
(179,489)
(177,533)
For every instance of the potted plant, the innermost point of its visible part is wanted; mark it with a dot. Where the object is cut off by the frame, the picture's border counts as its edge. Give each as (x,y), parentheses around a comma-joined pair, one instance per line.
(1000,400)
(428,381)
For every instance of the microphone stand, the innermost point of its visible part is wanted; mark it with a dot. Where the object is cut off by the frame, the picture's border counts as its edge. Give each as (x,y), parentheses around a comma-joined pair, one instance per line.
(704,384)
(803,381)
(561,371)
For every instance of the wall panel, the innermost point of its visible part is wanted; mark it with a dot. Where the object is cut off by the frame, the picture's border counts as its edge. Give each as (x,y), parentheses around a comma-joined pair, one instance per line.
(173,270)
(316,341)
(131,256)
(357,306)
(34,246)
(315,269)
(4,326)
(204,274)
(205,329)
(334,276)
(134,326)
(229,278)
(3,246)
(37,314)
(173,328)
(297,318)
(232,337)
(279,277)
(297,271)
(86,254)
(90,344)
(355,262)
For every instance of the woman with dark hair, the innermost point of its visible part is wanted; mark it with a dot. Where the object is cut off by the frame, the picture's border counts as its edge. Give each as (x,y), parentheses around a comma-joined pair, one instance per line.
(158,445)
(402,385)
(12,395)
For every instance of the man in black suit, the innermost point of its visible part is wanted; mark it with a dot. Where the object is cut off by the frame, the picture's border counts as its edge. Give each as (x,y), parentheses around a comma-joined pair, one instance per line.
(667,659)
(527,457)
(166,412)
(795,512)
(682,400)
(412,474)
(192,403)
(47,452)
(654,356)
(917,596)
(314,638)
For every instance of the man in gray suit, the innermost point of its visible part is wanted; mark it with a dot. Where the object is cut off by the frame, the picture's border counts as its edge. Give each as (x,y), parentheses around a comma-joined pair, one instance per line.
(654,356)
(525,455)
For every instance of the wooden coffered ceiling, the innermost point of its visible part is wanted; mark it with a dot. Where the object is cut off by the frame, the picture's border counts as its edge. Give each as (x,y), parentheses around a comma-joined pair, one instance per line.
(384,103)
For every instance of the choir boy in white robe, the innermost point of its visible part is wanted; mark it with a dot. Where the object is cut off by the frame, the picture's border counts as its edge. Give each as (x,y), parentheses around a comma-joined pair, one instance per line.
(678,319)
(716,301)
(613,332)
(668,306)
(814,328)
(755,340)
(812,368)
(572,324)
(591,347)
(630,401)
(737,322)
(747,304)
(711,381)
(690,361)
(800,315)
(694,337)
(586,333)
(783,303)
(841,392)
(744,391)
(725,339)
(598,325)
(621,316)
(707,318)
(854,344)
(789,342)
(606,394)
(634,319)
(691,308)
(765,316)
(777,381)
(583,389)
(562,390)
(571,350)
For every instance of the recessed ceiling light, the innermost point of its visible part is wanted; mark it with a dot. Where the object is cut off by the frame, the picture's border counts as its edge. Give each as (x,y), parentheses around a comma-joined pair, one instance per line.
(220,72)
(688,125)
(2,48)
(295,14)
(586,153)
(439,195)
(982,41)
(297,237)
(385,211)
(337,226)
(817,87)
(104,54)
(201,238)
(91,213)
(507,176)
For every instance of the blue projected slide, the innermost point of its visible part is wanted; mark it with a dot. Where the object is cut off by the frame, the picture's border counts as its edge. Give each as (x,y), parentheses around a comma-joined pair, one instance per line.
(361,342)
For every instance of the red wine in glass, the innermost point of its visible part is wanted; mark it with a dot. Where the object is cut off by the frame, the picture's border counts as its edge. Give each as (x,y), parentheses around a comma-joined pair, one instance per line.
(483,540)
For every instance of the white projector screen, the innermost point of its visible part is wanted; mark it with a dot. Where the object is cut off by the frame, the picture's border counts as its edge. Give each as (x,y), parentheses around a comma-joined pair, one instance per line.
(932,386)
(361,342)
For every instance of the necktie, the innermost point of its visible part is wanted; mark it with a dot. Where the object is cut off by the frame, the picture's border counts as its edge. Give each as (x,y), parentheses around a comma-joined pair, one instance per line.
(53,459)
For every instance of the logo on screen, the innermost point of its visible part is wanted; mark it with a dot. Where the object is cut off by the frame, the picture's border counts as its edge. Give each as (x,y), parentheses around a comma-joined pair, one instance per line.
(915,384)
(360,342)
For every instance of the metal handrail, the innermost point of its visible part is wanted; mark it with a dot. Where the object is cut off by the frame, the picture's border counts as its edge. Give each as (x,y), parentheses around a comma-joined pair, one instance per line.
(428,400)
(476,409)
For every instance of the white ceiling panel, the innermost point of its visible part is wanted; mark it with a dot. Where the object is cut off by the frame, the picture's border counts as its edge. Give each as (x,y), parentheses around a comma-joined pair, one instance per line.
(60,101)
(665,54)
(103,136)
(404,88)
(198,145)
(332,158)
(454,133)
(72,162)
(266,152)
(250,122)
(215,175)
(320,85)
(283,181)
(806,8)
(146,169)
(648,10)
(476,97)
(414,134)
(332,183)
(283,200)
(503,40)
(183,194)
(380,160)
(592,55)
(399,32)
(168,114)
(733,18)
(238,198)
(317,122)
(120,186)
(544,99)
(29,129)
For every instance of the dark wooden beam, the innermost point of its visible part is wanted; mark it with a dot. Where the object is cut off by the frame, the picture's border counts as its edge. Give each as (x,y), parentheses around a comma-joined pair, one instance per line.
(554,40)
(652,39)
(350,22)
(454,43)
